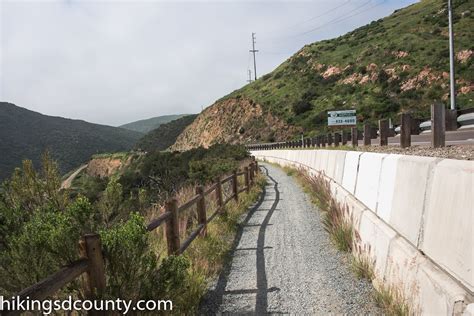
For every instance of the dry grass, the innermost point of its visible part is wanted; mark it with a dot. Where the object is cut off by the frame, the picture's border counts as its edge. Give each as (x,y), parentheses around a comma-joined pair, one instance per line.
(206,254)
(335,217)
(337,221)
(391,300)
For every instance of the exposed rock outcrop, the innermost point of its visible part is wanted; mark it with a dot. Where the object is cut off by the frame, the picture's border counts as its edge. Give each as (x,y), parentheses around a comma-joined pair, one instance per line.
(234,121)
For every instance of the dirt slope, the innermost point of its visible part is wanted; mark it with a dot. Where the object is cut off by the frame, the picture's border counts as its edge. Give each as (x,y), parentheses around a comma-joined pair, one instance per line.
(235,120)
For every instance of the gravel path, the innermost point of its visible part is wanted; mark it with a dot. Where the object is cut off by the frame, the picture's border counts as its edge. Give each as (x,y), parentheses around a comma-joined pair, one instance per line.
(283,261)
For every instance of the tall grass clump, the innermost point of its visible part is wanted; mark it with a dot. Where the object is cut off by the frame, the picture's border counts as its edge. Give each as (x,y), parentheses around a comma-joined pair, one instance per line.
(338,223)
(335,217)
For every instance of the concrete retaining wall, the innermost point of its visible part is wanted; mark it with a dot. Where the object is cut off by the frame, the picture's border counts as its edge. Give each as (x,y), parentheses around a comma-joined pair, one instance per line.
(416,213)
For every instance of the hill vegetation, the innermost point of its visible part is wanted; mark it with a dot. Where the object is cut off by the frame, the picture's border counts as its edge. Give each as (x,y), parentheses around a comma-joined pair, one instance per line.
(165,135)
(398,63)
(25,134)
(147,125)
(40,225)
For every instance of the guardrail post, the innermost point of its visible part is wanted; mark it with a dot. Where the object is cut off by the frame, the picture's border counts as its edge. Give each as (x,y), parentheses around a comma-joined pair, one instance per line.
(367,135)
(405,130)
(201,210)
(329,138)
(172,227)
(337,139)
(344,137)
(451,117)
(235,188)
(246,178)
(354,136)
(383,131)
(94,280)
(438,125)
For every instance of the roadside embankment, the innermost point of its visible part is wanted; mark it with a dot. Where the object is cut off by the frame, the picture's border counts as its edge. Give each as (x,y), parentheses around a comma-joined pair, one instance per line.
(414,214)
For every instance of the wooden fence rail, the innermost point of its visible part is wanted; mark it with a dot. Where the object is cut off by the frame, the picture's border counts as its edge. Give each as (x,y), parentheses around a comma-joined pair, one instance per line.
(91,264)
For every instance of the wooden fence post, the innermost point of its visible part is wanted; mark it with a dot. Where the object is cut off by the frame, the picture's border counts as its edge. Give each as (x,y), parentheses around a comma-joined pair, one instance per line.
(94,280)
(251,173)
(219,198)
(235,188)
(201,210)
(367,135)
(354,137)
(247,180)
(383,132)
(172,227)
(438,125)
(405,130)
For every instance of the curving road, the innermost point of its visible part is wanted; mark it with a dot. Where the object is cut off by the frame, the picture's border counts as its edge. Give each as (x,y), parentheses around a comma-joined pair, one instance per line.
(66,184)
(283,261)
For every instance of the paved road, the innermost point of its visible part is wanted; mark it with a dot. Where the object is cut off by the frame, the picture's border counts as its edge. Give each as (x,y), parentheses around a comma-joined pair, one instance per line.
(66,184)
(459,137)
(284,262)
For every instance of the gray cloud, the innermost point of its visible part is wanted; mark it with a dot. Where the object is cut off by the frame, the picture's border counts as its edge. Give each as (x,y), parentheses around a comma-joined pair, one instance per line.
(115,62)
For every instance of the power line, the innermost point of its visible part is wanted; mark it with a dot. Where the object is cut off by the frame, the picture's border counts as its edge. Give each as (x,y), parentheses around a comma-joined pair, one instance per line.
(341,18)
(314,17)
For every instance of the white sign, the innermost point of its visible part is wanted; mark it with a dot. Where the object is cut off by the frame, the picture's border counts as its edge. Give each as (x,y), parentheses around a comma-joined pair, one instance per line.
(344,117)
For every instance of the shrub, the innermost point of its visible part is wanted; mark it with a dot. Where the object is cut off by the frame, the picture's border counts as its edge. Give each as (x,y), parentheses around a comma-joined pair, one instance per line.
(131,265)
(301,107)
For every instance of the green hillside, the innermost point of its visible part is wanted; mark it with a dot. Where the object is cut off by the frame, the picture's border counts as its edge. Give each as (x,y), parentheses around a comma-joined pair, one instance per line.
(165,135)
(394,64)
(147,125)
(27,134)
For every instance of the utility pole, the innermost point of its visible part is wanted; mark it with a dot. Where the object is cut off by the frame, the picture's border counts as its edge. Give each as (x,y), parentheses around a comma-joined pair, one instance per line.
(451,56)
(253,50)
(249,80)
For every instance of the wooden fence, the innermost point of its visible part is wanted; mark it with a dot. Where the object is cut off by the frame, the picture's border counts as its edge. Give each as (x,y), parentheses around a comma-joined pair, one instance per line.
(440,119)
(91,262)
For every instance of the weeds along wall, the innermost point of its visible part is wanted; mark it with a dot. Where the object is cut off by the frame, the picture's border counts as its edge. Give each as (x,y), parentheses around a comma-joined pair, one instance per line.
(415,214)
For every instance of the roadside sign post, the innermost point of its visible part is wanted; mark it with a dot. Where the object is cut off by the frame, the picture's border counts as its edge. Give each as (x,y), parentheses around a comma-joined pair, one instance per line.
(342,118)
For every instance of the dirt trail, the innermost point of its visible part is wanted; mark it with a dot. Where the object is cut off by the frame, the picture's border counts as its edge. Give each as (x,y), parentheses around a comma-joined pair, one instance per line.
(67,183)
(283,261)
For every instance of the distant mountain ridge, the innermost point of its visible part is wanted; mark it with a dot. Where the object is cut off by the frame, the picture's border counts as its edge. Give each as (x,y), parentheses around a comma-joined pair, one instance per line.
(26,134)
(147,125)
(165,135)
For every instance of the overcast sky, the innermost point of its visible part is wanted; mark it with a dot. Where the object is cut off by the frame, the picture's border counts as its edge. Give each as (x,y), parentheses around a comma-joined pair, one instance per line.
(112,62)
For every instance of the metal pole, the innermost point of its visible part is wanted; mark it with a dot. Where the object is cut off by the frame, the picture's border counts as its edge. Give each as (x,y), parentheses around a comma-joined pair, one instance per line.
(451,57)
(253,50)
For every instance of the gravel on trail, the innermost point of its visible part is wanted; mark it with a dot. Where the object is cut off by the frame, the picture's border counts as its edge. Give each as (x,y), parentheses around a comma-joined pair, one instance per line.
(283,261)
(460,152)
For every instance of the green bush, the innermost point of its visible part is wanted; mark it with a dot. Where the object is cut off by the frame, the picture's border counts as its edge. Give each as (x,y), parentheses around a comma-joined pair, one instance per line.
(131,265)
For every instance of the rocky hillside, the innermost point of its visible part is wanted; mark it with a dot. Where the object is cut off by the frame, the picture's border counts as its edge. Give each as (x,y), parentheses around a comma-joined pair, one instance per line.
(233,121)
(25,134)
(399,63)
